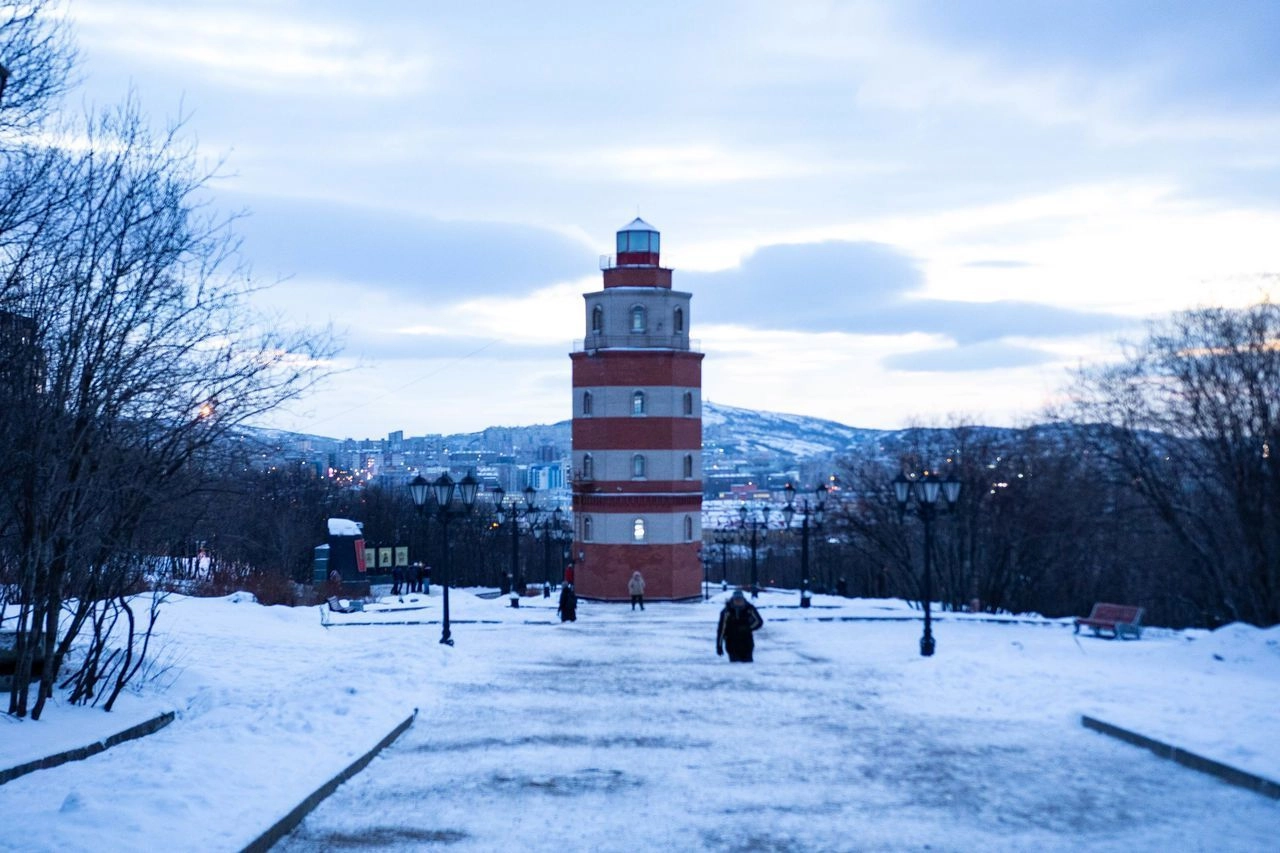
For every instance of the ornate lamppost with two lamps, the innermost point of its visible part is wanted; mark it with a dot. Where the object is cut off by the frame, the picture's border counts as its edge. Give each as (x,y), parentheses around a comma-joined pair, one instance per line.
(925,489)
(514,511)
(758,525)
(724,538)
(442,491)
(805,510)
(551,530)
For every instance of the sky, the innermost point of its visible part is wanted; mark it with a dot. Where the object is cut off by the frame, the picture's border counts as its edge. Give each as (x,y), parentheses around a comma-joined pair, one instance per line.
(623,731)
(887,213)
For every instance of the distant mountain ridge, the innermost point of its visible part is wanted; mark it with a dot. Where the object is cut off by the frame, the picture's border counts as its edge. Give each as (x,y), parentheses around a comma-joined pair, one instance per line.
(736,431)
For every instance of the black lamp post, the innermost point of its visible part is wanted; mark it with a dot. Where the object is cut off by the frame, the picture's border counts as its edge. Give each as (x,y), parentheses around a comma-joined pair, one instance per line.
(4,78)
(925,490)
(759,528)
(550,530)
(442,490)
(514,512)
(723,538)
(788,512)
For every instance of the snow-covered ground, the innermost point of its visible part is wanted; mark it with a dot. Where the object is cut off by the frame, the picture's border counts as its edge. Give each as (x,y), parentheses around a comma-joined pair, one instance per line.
(624,731)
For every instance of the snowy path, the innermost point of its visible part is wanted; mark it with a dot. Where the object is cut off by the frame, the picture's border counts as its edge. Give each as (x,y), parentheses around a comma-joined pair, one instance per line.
(625,732)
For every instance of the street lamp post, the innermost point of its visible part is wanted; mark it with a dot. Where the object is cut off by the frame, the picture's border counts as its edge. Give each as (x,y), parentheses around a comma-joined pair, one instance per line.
(442,490)
(759,529)
(550,530)
(4,78)
(514,513)
(925,490)
(788,512)
(723,538)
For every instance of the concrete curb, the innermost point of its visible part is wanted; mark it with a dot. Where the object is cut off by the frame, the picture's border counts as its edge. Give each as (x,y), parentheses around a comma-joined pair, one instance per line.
(151,726)
(1225,772)
(286,824)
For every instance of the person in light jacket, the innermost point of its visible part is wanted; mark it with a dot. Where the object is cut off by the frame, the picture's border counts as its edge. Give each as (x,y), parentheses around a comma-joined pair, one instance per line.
(738,622)
(635,586)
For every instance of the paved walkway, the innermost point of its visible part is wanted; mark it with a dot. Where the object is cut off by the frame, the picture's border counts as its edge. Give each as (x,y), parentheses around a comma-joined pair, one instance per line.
(624,732)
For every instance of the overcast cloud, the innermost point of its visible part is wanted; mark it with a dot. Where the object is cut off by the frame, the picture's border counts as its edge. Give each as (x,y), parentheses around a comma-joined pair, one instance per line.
(886,211)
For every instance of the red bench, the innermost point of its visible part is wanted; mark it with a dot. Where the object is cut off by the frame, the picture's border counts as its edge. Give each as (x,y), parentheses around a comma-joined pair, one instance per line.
(1121,620)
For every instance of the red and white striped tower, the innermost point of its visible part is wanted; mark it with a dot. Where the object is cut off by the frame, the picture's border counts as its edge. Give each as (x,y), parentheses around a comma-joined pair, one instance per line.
(637,432)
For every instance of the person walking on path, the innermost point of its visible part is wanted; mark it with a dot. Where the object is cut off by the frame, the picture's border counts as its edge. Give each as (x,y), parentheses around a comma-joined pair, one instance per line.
(568,608)
(397,579)
(738,622)
(635,586)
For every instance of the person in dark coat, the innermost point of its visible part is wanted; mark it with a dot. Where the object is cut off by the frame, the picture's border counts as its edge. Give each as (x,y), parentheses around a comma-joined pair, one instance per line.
(419,572)
(397,579)
(568,608)
(738,621)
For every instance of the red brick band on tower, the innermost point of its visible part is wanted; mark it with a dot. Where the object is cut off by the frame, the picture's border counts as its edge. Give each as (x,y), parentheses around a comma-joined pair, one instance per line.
(637,432)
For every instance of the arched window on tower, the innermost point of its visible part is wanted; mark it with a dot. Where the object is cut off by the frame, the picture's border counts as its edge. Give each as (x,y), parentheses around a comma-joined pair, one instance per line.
(677,321)
(586,528)
(688,466)
(637,466)
(688,402)
(637,403)
(588,467)
(597,320)
(688,528)
(639,319)
(637,529)
(586,402)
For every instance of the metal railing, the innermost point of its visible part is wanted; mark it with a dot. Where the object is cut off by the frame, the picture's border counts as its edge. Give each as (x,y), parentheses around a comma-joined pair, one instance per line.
(640,341)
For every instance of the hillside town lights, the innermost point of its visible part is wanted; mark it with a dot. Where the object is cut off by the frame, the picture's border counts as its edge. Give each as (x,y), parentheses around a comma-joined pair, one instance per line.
(788,512)
(442,490)
(925,489)
(747,521)
(514,513)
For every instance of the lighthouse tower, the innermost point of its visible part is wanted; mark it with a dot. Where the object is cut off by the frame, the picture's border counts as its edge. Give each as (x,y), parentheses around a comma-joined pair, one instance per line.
(637,431)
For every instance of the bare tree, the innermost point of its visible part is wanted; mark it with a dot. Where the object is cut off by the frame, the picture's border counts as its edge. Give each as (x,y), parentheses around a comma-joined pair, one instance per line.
(1196,415)
(37,55)
(149,355)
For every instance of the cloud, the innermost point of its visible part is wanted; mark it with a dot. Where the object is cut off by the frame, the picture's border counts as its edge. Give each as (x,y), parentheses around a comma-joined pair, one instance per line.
(866,288)
(254,49)
(988,355)
(999,264)
(416,258)
(398,346)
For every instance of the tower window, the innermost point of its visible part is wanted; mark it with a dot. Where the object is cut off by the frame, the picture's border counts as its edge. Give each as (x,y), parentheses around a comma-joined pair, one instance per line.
(586,402)
(639,319)
(588,467)
(688,402)
(637,529)
(688,528)
(597,320)
(637,466)
(586,528)
(688,466)
(637,403)
(677,321)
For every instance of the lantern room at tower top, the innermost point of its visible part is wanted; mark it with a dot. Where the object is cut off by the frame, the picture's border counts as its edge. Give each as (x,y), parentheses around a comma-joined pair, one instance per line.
(637,263)
(638,244)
